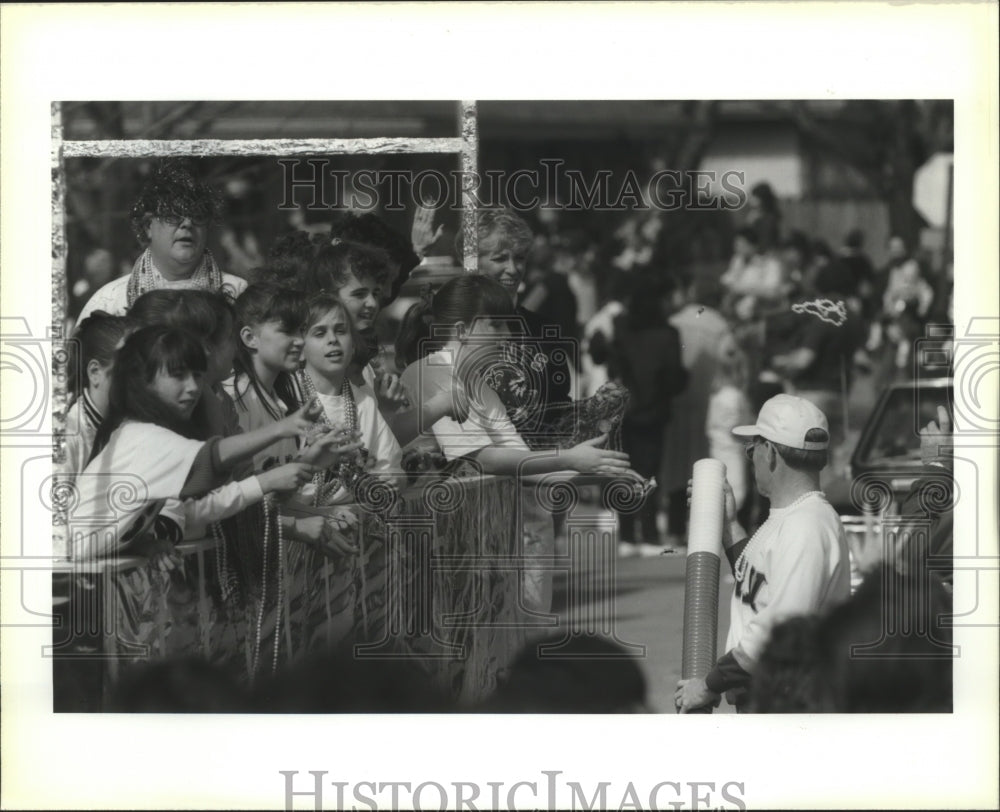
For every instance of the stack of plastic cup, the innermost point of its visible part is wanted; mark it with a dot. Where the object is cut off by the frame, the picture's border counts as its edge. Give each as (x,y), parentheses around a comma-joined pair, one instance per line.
(701,590)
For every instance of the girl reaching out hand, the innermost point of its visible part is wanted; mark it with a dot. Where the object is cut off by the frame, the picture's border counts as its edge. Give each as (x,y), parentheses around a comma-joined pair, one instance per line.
(265,388)
(453,362)
(270,321)
(151,450)
(454,341)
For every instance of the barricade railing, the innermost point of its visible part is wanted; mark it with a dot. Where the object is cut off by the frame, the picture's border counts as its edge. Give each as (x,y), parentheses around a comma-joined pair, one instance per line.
(388,601)
(437,580)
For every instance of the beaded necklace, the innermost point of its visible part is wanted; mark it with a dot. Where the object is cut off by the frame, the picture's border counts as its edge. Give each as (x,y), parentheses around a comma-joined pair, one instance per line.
(222,561)
(346,473)
(740,567)
(145,277)
(270,504)
(280,599)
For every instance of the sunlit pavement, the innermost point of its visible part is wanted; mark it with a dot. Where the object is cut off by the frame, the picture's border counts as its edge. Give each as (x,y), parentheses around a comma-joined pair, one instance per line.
(642,606)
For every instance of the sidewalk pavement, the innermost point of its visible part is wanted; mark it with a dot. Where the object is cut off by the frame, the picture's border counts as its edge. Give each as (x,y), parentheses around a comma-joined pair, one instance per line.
(647,609)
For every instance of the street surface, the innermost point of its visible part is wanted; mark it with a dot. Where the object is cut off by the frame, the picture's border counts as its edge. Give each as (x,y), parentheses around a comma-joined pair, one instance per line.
(648,609)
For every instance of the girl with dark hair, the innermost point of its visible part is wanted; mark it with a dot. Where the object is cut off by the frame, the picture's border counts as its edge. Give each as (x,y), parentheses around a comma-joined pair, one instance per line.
(211,318)
(91,368)
(263,388)
(149,451)
(455,343)
(368,229)
(452,342)
(207,314)
(354,273)
(461,299)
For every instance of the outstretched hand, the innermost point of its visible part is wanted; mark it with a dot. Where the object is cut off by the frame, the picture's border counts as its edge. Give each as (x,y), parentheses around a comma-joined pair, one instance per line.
(589,458)
(284,478)
(423,234)
(300,422)
(935,437)
(331,449)
(329,532)
(162,554)
(391,393)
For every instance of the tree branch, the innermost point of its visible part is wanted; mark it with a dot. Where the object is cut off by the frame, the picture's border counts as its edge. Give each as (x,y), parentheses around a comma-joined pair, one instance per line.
(820,135)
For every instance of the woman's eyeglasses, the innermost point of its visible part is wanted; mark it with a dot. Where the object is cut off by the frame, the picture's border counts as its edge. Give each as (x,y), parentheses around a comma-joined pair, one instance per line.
(175,220)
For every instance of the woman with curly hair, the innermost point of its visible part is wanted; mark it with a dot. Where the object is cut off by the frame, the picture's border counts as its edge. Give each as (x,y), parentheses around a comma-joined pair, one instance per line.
(171,220)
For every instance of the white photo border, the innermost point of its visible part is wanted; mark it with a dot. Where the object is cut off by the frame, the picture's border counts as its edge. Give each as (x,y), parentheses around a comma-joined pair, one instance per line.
(493,51)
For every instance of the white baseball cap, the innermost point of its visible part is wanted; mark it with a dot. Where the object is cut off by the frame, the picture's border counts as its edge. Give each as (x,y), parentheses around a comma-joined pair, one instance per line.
(786,420)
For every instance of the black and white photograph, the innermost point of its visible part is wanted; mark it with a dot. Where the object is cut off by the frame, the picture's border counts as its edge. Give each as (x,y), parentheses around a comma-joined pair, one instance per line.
(376,418)
(720,265)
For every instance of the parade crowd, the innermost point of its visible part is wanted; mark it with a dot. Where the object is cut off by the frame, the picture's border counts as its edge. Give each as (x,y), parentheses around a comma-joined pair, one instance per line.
(319,369)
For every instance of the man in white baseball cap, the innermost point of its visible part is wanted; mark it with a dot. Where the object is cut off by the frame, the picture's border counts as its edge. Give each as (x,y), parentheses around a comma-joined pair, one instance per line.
(797,561)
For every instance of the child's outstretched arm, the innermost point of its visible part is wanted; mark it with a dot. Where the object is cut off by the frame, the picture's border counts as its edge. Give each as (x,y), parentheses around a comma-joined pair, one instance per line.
(585,458)
(234,497)
(239,448)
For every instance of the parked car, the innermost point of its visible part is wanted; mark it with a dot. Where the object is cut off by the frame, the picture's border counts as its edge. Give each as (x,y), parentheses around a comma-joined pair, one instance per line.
(886,460)
(884,465)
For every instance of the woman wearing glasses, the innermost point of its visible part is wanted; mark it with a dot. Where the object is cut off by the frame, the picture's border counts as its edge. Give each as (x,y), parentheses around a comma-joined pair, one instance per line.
(171,219)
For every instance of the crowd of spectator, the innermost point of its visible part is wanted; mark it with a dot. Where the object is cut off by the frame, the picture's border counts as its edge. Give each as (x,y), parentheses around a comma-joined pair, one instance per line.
(284,381)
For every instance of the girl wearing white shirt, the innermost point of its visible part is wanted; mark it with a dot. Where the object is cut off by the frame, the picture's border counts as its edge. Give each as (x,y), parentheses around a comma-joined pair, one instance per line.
(150,452)
(454,339)
(328,352)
